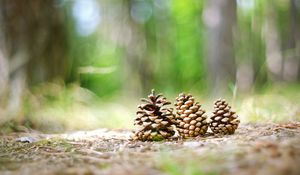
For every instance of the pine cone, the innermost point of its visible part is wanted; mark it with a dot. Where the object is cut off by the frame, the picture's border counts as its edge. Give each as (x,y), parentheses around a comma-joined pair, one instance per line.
(156,122)
(191,120)
(224,120)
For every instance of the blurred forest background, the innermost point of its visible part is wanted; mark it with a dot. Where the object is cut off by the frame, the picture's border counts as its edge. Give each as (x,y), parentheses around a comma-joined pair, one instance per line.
(84,64)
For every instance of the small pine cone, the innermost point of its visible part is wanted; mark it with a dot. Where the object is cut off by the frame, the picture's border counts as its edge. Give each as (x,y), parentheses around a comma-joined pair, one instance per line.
(224,120)
(155,120)
(190,118)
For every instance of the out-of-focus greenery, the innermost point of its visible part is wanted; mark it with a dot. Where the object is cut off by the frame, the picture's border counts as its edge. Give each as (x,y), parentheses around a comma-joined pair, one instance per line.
(276,104)
(58,107)
(137,45)
(176,44)
(175,37)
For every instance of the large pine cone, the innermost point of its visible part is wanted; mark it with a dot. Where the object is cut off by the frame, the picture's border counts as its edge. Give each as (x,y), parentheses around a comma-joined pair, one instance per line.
(191,119)
(224,120)
(155,120)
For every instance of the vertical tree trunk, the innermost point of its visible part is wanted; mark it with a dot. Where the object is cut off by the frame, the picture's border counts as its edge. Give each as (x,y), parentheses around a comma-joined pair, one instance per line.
(274,57)
(295,32)
(220,19)
(136,66)
(33,47)
(291,45)
(138,56)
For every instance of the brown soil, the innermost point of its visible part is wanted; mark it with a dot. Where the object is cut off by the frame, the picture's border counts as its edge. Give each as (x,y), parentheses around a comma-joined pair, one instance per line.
(266,148)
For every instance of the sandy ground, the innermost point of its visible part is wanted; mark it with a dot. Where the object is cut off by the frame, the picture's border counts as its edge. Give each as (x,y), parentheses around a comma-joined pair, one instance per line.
(256,148)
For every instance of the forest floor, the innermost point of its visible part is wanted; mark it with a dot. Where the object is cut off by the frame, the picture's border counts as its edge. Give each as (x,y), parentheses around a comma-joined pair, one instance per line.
(255,148)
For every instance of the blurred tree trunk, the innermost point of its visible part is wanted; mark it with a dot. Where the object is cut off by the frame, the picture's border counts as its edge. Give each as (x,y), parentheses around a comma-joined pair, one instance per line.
(282,44)
(220,19)
(138,65)
(137,69)
(33,47)
(294,39)
(292,44)
(274,56)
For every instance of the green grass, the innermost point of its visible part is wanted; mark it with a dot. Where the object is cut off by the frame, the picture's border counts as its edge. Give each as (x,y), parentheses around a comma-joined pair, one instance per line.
(275,104)
(55,108)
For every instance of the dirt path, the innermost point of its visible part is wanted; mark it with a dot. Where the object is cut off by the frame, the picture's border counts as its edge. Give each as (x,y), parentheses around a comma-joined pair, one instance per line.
(254,149)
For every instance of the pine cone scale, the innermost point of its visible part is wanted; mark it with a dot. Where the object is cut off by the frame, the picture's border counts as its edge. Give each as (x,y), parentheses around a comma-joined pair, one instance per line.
(154,119)
(224,120)
(190,117)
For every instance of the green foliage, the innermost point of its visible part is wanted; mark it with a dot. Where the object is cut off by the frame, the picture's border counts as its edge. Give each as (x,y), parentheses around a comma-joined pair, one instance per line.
(176,42)
(177,51)
(187,36)
(174,58)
